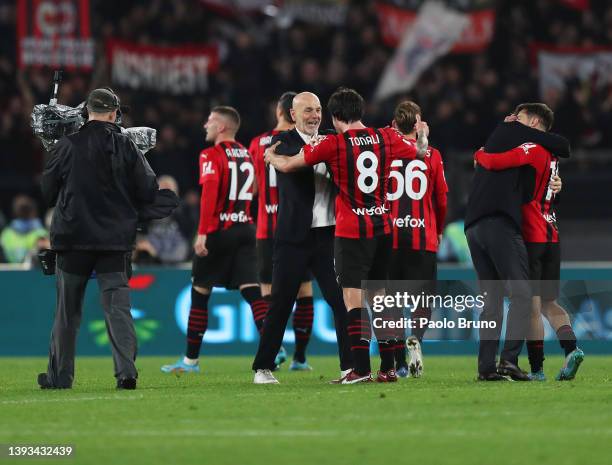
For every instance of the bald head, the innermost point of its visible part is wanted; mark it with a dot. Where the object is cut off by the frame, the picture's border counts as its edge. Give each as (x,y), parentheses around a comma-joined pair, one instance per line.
(306,112)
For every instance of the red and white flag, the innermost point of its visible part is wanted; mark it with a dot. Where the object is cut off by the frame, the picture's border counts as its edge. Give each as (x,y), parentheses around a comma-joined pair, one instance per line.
(54,33)
(433,34)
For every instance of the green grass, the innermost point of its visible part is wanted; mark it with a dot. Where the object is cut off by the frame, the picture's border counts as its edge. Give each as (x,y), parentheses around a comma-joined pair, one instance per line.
(220,418)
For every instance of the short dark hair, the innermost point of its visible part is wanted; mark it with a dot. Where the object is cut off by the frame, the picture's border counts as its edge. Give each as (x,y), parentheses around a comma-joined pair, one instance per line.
(286,102)
(541,110)
(346,105)
(229,112)
(405,115)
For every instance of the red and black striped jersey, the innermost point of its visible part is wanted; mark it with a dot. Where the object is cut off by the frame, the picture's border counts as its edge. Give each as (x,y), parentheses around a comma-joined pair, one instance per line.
(539,218)
(267,208)
(418,201)
(227,177)
(360,161)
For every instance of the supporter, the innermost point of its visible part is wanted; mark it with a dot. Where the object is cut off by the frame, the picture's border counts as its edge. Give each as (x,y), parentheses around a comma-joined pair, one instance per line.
(458,88)
(25,234)
(164,242)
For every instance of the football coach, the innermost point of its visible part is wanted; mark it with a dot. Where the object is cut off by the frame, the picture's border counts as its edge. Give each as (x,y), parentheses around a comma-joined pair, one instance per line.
(97,179)
(304,241)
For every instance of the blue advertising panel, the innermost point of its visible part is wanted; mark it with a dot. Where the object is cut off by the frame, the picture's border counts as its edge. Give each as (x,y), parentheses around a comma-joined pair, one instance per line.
(160,307)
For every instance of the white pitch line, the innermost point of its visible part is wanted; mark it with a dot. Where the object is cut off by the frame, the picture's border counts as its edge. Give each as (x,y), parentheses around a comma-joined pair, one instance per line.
(293,433)
(70,399)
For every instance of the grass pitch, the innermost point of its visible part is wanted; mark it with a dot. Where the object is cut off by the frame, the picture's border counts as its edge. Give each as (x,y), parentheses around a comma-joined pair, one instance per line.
(219,417)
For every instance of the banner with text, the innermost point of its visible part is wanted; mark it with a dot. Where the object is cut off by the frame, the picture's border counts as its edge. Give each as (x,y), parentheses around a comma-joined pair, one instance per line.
(54,33)
(176,70)
(396,18)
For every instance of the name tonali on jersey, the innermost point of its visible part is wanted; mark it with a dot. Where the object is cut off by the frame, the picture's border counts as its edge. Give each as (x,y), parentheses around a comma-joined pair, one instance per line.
(227,176)
(418,201)
(360,162)
(267,207)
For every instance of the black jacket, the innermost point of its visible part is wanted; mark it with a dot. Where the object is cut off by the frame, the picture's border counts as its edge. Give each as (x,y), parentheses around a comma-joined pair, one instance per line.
(97,180)
(504,192)
(295,193)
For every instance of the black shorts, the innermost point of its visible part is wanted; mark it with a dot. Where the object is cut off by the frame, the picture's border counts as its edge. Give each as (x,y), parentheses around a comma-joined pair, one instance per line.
(544,268)
(358,260)
(231,259)
(265,251)
(419,267)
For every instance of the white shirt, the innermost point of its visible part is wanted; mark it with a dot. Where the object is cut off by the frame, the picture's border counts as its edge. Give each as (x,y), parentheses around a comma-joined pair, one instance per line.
(323,208)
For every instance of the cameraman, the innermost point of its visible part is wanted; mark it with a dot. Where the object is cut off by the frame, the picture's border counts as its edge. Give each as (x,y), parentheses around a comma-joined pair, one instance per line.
(97,179)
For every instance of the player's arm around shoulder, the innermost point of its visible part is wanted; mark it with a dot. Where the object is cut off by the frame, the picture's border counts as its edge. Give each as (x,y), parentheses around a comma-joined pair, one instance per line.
(284,163)
(518,156)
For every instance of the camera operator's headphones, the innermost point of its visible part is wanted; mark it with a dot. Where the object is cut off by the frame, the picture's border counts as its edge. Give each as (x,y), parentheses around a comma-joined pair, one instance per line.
(116,103)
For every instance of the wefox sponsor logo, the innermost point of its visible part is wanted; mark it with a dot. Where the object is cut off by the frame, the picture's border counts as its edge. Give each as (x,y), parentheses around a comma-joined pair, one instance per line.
(409,222)
(271,208)
(550,217)
(235,217)
(377,210)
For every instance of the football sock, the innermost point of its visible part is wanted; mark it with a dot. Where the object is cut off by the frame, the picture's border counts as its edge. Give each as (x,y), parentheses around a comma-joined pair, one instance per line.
(302,326)
(359,338)
(535,353)
(386,335)
(400,353)
(197,323)
(386,350)
(419,329)
(259,305)
(567,339)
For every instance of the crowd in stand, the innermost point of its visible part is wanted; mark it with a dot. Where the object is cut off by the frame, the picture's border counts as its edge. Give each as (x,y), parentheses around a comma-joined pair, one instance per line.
(463,96)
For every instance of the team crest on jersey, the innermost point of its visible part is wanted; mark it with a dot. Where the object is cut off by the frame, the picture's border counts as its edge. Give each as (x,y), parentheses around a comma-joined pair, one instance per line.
(526,147)
(316,140)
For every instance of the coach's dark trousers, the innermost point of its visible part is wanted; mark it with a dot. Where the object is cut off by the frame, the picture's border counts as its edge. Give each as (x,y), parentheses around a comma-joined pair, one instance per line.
(500,260)
(73,270)
(289,263)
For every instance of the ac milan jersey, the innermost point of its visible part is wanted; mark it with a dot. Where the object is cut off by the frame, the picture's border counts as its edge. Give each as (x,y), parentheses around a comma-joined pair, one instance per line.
(266,186)
(539,219)
(227,176)
(360,161)
(418,201)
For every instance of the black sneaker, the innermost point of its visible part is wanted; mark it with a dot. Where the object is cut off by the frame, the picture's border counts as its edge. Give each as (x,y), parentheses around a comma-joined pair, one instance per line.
(44,383)
(506,368)
(491,377)
(126,383)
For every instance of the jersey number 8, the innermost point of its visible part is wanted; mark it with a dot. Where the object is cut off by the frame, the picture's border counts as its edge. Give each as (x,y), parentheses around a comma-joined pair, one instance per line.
(367,181)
